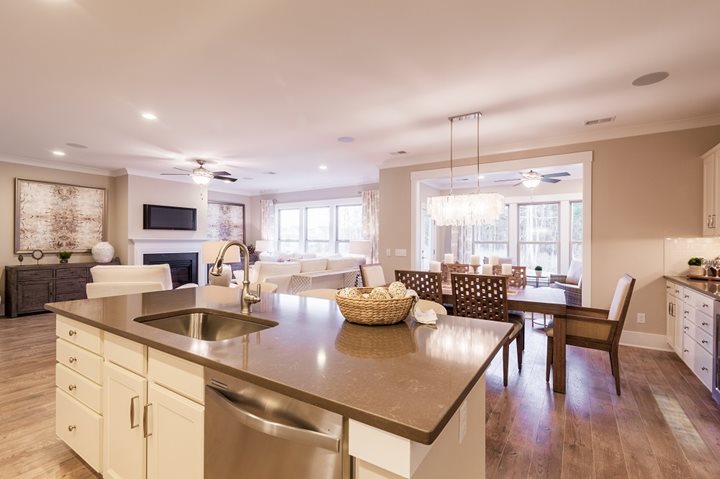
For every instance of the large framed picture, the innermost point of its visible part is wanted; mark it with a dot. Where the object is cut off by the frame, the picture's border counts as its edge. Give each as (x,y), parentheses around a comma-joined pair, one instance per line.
(55,217)
(226,221)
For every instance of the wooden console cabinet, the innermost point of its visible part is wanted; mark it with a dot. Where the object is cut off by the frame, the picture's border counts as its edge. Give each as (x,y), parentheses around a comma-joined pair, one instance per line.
(29,287)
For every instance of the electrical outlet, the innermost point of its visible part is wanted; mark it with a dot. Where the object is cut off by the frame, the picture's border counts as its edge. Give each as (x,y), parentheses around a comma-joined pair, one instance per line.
(641,318)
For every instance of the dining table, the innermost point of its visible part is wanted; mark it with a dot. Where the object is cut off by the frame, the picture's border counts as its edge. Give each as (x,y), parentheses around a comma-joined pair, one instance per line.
(538,300)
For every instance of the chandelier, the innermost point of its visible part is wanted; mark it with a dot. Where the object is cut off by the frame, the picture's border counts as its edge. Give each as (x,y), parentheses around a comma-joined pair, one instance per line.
(468,209)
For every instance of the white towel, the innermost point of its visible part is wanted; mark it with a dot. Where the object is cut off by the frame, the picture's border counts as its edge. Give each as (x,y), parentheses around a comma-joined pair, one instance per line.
(423,317)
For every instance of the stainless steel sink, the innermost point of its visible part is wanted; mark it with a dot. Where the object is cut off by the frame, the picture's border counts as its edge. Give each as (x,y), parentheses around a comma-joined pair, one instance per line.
(205,324)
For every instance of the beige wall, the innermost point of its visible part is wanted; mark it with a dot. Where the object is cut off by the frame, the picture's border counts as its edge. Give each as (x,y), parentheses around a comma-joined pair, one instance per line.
(644,189)
(8,173)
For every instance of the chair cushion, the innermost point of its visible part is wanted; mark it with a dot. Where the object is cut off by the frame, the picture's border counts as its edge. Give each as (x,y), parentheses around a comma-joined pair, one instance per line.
(574,274)
(374,276)
(621,291)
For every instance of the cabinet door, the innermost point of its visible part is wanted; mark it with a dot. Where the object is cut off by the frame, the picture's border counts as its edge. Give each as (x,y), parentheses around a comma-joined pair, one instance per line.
(670,326)
(708,194)
(176,427)
(33,296)
(124,395)
(678,312)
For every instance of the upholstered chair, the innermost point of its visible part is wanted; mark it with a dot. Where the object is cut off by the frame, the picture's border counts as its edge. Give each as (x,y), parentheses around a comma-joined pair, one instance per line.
(372,275)
(571,283)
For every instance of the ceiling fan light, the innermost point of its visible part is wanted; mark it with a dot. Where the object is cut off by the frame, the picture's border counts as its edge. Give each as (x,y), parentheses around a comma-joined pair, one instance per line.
(201,176)
(531,182)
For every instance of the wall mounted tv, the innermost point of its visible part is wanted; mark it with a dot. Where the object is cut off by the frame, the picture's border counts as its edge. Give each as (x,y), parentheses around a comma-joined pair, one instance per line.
(158,217)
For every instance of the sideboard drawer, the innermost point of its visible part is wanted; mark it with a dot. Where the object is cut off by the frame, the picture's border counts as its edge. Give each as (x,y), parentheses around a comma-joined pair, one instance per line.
(79,387)
(79,334)
(71,273)
(80,360)
(704,340)
(80,428)
(69,286)
(35,275)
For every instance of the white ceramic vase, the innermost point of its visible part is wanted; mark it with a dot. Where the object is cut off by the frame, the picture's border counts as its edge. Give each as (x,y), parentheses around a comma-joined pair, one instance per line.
(103,252)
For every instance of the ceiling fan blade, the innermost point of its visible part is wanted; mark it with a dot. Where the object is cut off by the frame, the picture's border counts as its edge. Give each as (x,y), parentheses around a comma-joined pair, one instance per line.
(221,173)
(511,179)
(551,175)
(183,169)
(226,179)
(518,184)
(549,180)
(175,174)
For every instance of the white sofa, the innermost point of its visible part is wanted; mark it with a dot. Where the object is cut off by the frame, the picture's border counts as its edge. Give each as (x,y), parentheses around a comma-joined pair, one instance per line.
(295,276)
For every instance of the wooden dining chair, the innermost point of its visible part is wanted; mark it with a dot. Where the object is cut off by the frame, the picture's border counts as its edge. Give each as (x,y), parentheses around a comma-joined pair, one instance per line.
(485,297)
(518,278)
(372,275)
(450,268)
(426,284)
(596,328)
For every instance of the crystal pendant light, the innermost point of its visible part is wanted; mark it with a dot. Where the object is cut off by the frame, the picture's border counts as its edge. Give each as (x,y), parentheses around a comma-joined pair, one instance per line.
(468,209)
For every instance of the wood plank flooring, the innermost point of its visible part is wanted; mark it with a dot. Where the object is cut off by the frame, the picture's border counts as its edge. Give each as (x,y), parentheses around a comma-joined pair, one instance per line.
(663,425)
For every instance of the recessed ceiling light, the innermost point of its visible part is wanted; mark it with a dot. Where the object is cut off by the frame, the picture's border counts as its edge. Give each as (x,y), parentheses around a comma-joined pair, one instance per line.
(58,153)
(323,167)
(76,145)
(650,78)
(346,139)
(149,116)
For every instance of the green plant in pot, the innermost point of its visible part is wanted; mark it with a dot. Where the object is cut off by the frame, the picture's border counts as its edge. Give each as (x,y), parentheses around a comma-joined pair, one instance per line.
(696,267)
(538,271)
(64,256)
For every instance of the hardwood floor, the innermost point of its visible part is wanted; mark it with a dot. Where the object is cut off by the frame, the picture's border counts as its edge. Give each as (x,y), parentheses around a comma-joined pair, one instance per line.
(663,425)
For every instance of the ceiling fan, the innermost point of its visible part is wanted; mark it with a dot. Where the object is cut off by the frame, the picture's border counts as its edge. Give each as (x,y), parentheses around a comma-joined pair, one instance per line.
(202,175)
(532,178)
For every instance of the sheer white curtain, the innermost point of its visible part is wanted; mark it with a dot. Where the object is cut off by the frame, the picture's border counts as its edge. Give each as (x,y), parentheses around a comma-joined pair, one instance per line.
(371,220)
(461,243)
(267,220)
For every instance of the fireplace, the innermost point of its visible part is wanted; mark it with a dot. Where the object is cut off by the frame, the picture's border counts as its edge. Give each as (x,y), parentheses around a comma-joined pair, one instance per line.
(183,266)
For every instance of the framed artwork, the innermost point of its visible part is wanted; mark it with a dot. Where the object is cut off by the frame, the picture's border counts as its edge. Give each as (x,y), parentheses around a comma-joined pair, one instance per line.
(226,221)
(55,217)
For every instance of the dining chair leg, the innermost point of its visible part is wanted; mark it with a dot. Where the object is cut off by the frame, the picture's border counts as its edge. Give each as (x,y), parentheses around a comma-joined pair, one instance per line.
(506,360)
(548,359)
(615,364)
(612,367)
(519,354)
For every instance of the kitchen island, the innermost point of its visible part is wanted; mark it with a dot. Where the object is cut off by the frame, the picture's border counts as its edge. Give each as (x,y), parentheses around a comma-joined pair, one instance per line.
(411,396)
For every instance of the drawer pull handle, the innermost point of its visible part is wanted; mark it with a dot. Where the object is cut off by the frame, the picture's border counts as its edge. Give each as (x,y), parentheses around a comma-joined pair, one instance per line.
(704,341)
(705,324)
(704,368)
(132,412)
(146,413)
(687,297)
(72,359)
(686,328)
(71,428)
(72,387)
(686,350)
(705,305)
(72,332)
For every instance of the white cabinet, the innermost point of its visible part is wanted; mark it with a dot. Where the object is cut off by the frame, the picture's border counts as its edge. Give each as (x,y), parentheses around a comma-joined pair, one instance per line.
(125,396)
(711,192)
(698,335)
(673,309)
(176,435)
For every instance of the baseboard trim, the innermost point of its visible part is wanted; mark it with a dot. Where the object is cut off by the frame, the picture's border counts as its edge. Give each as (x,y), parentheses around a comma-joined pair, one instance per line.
(636,339)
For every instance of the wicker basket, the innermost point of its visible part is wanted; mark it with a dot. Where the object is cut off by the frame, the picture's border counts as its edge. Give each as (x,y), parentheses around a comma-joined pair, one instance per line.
(374,311)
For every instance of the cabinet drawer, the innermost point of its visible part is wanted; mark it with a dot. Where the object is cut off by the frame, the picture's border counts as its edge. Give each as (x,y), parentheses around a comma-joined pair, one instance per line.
(703,303)
(704,322)
(703,339)
(177,374)
(80,428)
(69,286)
(80,360)
(125,353)
(79,334)
(35,275)
(688,351)
(79,387)
(678,291)
(688,313)
(703,367)
(70,296)
(689,327)
(71,273)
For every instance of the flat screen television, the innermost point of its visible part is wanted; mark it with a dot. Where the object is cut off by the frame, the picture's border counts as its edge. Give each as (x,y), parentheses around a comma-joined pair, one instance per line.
(158,217)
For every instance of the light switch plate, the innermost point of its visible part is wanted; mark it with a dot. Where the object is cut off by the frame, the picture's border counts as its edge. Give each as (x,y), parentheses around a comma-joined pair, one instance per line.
(641,318)
(400,252)
(388,252)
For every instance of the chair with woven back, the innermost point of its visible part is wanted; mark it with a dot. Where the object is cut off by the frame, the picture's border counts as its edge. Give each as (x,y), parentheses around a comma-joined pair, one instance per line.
(485,297)
(426,284)
(597,328)
(450,268)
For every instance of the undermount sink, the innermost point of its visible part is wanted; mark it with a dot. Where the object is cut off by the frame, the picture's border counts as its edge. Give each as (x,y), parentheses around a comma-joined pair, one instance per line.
(206,324)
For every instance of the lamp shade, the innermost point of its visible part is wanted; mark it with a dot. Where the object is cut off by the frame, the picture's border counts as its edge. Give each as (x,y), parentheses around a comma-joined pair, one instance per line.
(363,247)
(210,250)
(264,245)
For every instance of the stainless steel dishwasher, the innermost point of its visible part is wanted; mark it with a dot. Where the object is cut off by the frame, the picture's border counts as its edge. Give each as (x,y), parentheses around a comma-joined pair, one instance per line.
(254,433)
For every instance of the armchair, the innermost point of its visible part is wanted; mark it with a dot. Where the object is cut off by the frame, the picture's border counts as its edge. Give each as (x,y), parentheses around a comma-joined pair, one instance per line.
(571,283)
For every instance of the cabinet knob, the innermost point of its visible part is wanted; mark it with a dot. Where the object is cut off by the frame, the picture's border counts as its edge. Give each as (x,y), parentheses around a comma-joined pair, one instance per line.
(71,428)
(72,332)
(72,387)
(687,297)
(705,305)
(704,368)
(72,359)
(704,341)
(686,350)
(686,328)
(704,323)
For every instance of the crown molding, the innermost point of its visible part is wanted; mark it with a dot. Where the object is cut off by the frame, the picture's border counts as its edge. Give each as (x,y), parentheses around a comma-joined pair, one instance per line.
(585,137)
(55,165)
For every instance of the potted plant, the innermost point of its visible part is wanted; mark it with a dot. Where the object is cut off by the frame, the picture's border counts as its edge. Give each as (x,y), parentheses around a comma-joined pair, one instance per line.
(695,267)
(64,256)
(538,271)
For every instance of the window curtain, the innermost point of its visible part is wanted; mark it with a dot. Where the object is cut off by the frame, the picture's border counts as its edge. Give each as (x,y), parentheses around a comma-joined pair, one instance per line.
(267,220)
(371,221)
(461,243)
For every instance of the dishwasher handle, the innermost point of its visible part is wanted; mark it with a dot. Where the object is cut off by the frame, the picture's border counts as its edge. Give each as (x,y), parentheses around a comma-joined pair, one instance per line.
(275,429)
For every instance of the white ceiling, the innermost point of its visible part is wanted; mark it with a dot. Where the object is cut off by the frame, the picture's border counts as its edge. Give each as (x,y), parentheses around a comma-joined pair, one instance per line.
(489,181)
(269,85)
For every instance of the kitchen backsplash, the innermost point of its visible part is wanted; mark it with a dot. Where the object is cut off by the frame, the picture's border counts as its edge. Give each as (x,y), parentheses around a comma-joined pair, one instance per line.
(678,251)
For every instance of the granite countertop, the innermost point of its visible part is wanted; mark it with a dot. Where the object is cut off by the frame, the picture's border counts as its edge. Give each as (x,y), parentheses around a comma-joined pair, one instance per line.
(407,379)
(710,288)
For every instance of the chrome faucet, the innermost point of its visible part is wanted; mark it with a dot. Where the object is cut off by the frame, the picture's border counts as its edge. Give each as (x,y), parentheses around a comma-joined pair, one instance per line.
(246,298)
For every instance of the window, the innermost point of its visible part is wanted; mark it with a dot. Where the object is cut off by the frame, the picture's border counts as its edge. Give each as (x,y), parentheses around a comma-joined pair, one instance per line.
(320,227)
(539,235)
(576,229)
(493,239)
(289,229)
(349,226)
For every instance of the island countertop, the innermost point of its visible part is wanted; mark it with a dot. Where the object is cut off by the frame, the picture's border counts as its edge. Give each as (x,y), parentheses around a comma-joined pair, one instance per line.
(710,288)
(407,379)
